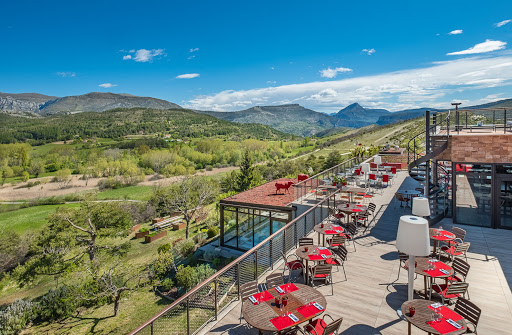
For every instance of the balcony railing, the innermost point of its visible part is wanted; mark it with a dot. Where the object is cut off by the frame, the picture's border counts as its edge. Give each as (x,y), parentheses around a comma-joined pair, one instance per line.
(203,304)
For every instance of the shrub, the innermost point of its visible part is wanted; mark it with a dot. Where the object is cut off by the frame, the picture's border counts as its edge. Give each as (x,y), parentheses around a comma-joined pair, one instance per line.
(199,238)
(185,247)
(25,176)
(213,231)
(143,230)
(164,248)
(167,284)
(110,183)
(16,317)
(188,277)
(163,264)
(57,304)
(216,262)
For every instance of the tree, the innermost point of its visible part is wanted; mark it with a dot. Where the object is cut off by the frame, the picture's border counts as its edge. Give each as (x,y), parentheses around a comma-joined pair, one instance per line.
(63,177)
(334,158)
(13,250)
(245,177)
(36,168)
(187,197)
(25,176)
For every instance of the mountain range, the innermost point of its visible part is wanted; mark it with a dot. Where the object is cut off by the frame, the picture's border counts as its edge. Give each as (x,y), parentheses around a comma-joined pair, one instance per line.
(291,118)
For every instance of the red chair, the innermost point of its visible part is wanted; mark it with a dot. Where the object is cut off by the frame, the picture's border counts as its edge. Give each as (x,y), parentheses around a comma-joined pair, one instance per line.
(358,172)
(320,327)
(371,176)
(291,266)
(393,170)
(385,179)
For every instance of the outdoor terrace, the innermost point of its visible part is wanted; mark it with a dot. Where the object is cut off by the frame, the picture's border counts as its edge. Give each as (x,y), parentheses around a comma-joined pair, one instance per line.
(372,293)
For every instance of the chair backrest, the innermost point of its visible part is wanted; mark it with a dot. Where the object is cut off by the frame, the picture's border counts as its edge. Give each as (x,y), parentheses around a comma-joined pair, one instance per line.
(274,279)
(333,326)
(352,229)
(372,207)
(305,241)
(462,247)
(402,256)
(322,269)
(331,211)
(393,170)
(459,288)
(460,267)
(385,178)
(468,310)
(371,176)
(337,239)
(341,252)
(399,196)
(248,289)
(358,172)
(420,189)
(459,233)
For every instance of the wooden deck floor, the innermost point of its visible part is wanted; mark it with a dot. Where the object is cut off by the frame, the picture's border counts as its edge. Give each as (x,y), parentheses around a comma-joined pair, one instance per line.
(372,293)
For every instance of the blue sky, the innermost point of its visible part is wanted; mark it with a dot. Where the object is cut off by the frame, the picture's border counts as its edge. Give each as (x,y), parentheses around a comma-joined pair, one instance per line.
(231,55)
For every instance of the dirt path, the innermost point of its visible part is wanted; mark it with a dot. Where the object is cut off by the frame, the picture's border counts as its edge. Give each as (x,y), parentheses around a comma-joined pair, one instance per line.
(13,193)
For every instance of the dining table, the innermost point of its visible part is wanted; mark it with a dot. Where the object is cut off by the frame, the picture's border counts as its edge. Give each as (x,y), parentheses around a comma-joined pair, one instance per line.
(437,235)
(409,194)
(352,208)
(262,312)
(312,253)
(430,268)
(324,229)
(422,318)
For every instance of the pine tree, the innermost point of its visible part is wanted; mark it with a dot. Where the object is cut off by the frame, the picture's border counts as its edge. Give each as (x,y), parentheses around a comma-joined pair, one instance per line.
(245,176)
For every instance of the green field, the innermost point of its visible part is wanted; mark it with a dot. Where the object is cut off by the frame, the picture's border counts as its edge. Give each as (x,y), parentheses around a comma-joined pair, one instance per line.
(127,193)
(28,219)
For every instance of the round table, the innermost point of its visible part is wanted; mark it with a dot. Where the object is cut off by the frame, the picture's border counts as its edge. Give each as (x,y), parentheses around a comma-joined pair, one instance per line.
(422,265)
(423,314)
(353,208)
(326,227)
(302,254)
(259,316)
(439,235)
(409,194)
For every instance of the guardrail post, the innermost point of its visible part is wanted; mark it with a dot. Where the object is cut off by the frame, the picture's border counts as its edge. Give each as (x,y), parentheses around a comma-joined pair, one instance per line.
(151,328)
(188,315)
(238,278)
(255,264)
(305,225)
(216,308)
(271,254)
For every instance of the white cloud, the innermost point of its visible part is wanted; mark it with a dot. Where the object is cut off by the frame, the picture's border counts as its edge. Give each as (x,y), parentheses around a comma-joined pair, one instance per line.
(455,32)
(502,23)
(480,48)
(194,50)
(107,85)
(66,74)
(271,81)
(369,51)
(433,86)
(187,76)
(190,57)
(332,73)
(144,55)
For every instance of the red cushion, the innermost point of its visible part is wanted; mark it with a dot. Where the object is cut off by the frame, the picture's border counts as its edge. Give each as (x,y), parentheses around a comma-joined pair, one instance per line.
(455,278)
(322,275)
(443,287)
(332,261)
(339,216)
(319,326)
(335,244)
(294,265)
(367,196)
(451,251)
(349,237)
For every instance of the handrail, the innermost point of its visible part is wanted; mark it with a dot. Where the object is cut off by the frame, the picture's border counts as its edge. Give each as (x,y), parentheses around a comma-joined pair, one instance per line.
(237,261)
(325,171)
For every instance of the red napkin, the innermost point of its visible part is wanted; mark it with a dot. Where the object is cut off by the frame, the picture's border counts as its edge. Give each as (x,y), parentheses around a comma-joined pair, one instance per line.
(308,311)
(357,210)
(282,322)
(315,257)
(436,272)
(441,238)
(290,287)
(442,326)
(263,296)
(448,313)
(325,252)
(329,232)
(359,205)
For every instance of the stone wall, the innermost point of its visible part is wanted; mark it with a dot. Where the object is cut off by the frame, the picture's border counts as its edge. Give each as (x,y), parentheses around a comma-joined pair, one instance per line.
(479,148)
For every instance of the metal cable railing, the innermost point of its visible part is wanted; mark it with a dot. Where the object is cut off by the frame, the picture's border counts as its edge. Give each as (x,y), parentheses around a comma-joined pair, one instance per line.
(191,312)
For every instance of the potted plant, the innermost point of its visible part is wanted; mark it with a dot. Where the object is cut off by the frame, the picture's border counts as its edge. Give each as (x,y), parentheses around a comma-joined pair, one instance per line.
(479,119)
(155,236)
(339,181)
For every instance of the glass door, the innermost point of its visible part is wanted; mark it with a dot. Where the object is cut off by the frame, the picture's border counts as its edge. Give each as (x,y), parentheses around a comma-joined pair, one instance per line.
(504,202)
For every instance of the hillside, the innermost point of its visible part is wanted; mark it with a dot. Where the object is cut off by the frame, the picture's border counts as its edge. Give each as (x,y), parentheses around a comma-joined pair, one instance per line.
(293,119)
(100,102)
(179,123)
(34,104)
(404,115)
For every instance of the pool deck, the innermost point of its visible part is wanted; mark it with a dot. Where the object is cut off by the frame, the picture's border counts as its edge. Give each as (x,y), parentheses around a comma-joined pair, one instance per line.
(372,293)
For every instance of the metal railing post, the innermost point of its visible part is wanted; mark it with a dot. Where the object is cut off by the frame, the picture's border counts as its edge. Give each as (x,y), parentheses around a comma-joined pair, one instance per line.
(271,254)
(216,307)
(188,315)
(255,264)
(238,278)
(151,328)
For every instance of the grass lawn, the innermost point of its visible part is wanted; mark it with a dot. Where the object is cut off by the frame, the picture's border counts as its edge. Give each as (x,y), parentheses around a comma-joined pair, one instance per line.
(129,193)
(28,219)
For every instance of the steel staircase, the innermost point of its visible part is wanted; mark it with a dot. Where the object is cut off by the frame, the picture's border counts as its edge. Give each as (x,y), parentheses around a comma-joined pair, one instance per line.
(424,168)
